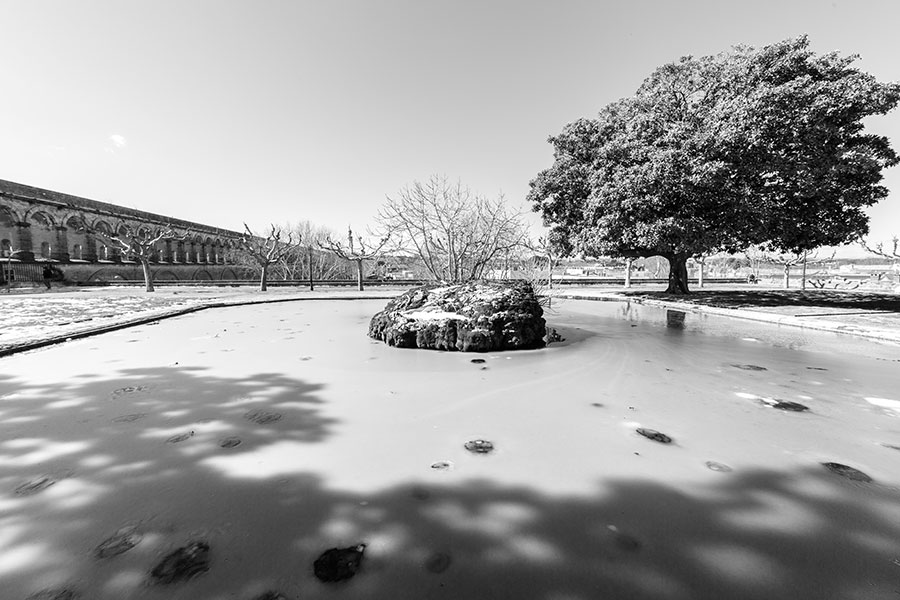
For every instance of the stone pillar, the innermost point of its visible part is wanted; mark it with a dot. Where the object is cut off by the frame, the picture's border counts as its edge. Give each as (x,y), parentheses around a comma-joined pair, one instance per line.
(167,251)
(60,251)
(89,252)
(26,252)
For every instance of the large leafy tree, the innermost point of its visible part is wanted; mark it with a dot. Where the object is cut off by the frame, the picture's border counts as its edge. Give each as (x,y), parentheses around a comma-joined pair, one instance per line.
(752,146)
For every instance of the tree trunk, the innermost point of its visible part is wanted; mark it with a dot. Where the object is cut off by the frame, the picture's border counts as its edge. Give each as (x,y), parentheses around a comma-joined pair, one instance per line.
(148,276)
(628,264)
(263,278)
(550,271)
(311,269)
(803,273)
(787,276)
(701,263)
(678,279)
(359,274)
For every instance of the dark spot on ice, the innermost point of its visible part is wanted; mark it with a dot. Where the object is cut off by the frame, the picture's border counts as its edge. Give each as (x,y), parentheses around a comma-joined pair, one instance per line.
(891,446)
(182,564)
(478,361)
(270,595)
(717,466)
(441,465)
(750,367)
(38,484)
(54,594)
(120,542)
(438,562)
(179,438)
(597,404)
(420,493)
(791,406)
(484,369)
(848,472)
(338,564)
(479,446)
(817,368)
(656,436)
(627,542)
(306,358)
(262,417)
(130,389)
(230,442)
(129,418)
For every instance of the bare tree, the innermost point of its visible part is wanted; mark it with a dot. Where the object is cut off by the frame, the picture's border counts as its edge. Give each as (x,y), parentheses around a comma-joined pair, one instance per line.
(267,250)
(355,250)
(308,259)
(880,250)
(138,244)
(544,248)
(454,232)
(787,261)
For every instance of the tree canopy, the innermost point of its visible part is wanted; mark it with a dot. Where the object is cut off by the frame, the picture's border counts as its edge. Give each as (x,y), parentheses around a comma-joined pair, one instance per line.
(750,146)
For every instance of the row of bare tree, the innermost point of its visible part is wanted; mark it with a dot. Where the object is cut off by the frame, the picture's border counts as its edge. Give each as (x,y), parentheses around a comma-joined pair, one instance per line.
(450,232)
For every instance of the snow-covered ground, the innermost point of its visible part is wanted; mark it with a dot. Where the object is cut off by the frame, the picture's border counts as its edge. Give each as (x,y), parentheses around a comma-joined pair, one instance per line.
(275,432)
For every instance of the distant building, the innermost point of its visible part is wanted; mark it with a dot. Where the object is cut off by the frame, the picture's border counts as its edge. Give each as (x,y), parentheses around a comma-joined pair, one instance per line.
(38,225)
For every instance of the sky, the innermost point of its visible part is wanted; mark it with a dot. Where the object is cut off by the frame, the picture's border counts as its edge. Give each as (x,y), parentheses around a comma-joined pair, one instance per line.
(261,111)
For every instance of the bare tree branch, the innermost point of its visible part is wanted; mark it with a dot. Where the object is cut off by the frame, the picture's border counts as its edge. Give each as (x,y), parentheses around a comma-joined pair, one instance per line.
(455,233)
(267,250)
(356,250)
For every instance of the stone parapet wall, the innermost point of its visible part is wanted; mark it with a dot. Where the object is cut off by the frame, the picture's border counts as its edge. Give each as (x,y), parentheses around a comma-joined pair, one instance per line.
(43,225)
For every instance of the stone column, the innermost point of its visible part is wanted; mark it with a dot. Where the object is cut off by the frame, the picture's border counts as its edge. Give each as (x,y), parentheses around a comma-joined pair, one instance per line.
(89,252)
(26,252)
(60,250)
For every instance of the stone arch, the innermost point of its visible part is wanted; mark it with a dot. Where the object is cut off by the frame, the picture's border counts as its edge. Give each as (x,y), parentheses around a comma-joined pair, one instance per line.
(8,233)
(228,273)
(102,250)
(103,274)
(38,216)
(201,275)
(8,216)
(43,234)
(208,251)
(178,253)
(197,246)
(166,274)
(79,242)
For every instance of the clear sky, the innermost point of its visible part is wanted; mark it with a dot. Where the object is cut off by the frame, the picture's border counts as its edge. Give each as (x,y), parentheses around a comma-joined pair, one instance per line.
(273,110)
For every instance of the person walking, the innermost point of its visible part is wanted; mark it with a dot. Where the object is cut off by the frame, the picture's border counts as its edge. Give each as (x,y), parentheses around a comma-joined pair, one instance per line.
(48,275)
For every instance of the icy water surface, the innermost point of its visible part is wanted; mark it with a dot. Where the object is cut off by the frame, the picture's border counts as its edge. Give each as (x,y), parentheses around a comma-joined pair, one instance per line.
(652,454)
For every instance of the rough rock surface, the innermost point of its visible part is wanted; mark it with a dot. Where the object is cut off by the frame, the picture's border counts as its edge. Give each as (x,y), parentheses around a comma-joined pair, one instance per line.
(471,317)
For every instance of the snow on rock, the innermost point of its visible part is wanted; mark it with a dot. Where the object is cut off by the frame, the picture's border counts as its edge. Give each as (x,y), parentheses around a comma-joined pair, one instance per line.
(471,317)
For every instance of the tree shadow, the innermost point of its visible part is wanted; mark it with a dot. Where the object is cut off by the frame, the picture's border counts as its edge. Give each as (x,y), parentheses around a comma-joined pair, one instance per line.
(76,459)
(825,299)
(771,534)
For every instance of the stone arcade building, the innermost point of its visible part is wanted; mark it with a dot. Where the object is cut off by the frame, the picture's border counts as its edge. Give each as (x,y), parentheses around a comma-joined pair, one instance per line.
(39,226)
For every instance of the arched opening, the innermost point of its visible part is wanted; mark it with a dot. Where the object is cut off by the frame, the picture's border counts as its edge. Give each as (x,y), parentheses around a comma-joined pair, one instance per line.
(77,237)
(45,249)
(5,248)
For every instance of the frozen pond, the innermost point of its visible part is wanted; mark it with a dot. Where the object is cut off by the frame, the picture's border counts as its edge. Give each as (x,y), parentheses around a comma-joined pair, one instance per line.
(275,432)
